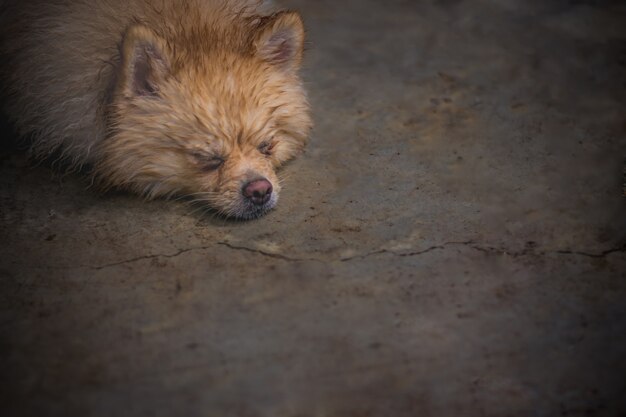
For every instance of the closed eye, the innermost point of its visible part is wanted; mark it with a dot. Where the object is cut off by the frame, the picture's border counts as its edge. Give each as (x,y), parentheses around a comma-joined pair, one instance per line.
(213,164)
(266,147)
(208,163)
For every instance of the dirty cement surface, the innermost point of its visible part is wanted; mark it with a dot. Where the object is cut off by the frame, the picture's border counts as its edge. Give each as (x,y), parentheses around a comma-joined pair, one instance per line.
(452,243)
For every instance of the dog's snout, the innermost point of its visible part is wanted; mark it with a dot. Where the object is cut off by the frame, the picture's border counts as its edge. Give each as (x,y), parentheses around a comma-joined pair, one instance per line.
(258,191)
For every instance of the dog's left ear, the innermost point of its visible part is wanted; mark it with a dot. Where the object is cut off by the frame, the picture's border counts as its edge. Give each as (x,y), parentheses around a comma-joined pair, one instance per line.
(280,40)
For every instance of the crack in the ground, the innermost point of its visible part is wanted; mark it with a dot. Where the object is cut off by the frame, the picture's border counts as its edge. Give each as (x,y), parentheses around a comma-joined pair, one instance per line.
(533,251)
(403,254)
(490,249)
(144,257)
(227,244)
(593,255)
(268,254)
(470,244)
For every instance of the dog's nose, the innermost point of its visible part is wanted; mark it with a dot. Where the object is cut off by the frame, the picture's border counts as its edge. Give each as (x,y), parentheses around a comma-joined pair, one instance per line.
(258,191)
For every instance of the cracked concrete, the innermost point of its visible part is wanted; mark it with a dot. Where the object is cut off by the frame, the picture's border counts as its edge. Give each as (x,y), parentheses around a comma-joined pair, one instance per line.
(451,244)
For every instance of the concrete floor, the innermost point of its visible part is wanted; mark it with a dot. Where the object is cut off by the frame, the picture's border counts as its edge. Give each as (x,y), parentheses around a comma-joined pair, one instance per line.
(452,243)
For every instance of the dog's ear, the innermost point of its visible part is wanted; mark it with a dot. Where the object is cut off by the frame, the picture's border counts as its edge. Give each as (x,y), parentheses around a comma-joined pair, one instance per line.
(145,62)
(280,40)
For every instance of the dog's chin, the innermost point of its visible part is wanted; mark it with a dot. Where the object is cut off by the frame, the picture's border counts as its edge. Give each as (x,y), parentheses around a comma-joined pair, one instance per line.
(246,210)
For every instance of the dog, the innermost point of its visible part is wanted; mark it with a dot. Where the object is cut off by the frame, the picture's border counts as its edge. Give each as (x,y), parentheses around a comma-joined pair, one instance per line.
(198,98)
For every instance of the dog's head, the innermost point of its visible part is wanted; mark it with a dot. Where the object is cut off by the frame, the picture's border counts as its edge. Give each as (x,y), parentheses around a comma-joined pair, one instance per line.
(208,113)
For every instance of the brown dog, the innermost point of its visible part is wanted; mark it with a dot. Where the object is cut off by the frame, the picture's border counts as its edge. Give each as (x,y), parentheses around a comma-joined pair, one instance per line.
(178,97)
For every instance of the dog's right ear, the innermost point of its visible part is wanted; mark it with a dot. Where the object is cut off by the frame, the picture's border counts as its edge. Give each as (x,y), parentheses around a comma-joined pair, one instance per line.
(145,62)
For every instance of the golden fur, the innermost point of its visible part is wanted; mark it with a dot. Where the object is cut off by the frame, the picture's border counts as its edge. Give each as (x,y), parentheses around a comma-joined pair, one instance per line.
(179,97)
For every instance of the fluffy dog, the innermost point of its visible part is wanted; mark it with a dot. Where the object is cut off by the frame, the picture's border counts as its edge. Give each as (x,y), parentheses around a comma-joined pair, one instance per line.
(161,97)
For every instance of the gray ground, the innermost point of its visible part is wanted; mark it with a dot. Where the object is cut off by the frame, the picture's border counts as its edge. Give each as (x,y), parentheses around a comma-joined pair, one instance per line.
(452,243)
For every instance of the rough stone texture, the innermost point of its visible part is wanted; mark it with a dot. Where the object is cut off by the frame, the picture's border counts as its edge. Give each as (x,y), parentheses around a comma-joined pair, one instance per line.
(452,244)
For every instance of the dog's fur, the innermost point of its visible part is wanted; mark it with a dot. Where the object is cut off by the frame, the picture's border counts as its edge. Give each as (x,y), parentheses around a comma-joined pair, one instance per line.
(161,97)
